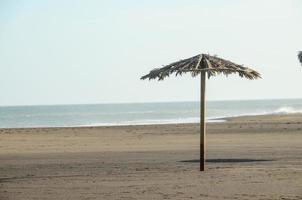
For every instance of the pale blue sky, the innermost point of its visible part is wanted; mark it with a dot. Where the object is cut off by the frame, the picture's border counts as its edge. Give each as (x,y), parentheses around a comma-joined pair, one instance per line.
(69,52)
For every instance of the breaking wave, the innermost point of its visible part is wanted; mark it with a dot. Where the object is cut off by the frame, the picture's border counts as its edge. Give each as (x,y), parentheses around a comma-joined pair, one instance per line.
(287,110)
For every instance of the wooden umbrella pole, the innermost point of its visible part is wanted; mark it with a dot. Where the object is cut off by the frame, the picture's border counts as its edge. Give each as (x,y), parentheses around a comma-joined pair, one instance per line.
(202,121)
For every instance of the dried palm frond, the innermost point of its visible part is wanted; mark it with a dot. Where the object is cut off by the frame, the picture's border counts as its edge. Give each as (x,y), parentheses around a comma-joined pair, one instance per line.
(300,57)
(202,63)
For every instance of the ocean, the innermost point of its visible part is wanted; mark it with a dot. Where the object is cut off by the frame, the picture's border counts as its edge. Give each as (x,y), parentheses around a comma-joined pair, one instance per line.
(138,113)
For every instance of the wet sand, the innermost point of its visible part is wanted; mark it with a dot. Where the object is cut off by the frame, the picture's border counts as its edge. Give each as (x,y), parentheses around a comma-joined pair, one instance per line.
(256,157)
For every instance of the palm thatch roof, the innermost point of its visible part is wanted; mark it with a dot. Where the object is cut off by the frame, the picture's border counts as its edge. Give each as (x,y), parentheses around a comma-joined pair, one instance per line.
(300,57)
(213,65)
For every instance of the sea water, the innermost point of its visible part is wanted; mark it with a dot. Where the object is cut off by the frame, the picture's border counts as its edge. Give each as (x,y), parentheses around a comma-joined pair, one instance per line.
(138,113)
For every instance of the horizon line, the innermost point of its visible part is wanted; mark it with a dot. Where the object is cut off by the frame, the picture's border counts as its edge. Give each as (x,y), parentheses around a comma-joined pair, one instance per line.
(146,102)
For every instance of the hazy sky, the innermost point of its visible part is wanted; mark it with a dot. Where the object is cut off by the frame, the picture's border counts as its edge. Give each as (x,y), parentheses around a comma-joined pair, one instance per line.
(68,51)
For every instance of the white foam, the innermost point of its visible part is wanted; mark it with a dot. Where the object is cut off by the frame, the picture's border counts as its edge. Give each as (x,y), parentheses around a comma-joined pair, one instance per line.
(287,110)
(157,121)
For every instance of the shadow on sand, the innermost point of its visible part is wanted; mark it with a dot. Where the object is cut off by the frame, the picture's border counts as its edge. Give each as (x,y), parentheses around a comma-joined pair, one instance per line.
(228,160)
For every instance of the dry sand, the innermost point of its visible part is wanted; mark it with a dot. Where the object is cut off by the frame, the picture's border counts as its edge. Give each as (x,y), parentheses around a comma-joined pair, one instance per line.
(248,158)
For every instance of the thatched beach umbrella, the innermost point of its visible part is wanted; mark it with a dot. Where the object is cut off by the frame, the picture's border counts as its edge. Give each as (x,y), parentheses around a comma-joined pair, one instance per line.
(300,57)
(202,64)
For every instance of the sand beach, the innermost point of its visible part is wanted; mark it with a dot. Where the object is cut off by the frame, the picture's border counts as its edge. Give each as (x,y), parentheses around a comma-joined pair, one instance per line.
(256,157)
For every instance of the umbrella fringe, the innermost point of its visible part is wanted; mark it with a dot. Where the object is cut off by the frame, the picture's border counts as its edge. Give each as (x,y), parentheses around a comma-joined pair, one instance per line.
(212,65)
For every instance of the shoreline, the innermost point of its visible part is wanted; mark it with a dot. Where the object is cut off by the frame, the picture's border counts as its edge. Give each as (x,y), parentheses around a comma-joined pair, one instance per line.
(212,121)
(138,137)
